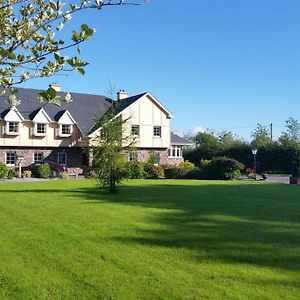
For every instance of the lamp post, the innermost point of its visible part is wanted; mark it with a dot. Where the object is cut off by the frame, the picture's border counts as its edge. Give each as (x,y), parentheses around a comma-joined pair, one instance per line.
(20,159)
(254,152)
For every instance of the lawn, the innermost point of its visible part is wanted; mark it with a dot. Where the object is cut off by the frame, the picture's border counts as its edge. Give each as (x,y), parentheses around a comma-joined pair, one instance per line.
(163,239)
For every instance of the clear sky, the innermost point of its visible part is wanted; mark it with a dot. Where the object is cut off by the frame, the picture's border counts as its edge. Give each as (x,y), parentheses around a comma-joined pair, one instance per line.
(213,63)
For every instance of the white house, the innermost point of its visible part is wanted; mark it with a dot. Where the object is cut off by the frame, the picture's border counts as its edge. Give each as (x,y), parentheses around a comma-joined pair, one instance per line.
(37,131)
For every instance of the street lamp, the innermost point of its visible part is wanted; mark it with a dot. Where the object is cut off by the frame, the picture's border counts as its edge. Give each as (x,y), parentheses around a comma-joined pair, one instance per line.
(254,152)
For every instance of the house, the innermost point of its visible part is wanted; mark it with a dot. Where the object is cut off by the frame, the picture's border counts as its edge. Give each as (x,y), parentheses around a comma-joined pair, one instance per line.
(36,131)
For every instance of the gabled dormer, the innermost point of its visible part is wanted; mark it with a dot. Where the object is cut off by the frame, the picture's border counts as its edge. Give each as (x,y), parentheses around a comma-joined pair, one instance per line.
(40,121)
(66,123)
(12,118)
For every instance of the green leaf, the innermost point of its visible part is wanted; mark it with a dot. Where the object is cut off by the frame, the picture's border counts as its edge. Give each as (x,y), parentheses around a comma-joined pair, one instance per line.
(81,71)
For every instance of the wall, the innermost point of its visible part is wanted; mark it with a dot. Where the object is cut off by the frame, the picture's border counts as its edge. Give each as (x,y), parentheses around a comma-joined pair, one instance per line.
(26,137)
(147,114)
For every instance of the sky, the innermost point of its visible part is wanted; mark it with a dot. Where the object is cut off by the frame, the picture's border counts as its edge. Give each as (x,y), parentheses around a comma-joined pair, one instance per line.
(221,65)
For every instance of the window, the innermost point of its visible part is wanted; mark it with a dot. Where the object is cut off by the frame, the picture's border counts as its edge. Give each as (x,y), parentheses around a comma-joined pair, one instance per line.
(157,131)
(135,130)
(41,128)
(132,156)
(62,158)
(102,134)
(12,128)
(65,129)
(38,156)
(156,158)
(175,152)
(10,158)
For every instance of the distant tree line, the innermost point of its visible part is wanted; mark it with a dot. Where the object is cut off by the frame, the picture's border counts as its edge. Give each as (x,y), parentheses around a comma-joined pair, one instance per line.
(278,156)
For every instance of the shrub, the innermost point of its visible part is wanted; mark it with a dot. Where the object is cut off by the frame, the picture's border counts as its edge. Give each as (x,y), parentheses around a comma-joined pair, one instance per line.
(135,170)
(296,170)
(3,170)
(223,168)
(11,173)
(171,172)
(27,174)
(184,168)
(155,172)
(196,173)
(42,171)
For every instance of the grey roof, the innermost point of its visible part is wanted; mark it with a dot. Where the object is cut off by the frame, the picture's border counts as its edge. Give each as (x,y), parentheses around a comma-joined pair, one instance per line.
(177,140)
(85,108)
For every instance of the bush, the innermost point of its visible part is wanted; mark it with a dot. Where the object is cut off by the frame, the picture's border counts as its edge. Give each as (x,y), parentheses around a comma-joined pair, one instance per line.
(296,170)
(155,172)
(196,173)
(42,171)
(171,172)
(11,174)
(27,174)
(135,170)
(3,170)
(223,168)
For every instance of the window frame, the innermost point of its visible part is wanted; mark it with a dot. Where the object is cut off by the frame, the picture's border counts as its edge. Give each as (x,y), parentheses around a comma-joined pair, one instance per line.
(16,124)
(61,130)
(65,159)
(135,130)
(38,153)
(157,131)
(175,151)
(36,129)
(14,159)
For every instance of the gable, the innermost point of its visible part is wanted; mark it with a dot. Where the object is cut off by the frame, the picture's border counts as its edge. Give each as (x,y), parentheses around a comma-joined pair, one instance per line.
(66,118)
(13,115)
(41,117)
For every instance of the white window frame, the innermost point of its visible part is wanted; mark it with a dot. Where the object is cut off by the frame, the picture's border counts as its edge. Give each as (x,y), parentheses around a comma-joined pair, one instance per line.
(36,129)
(15,159)
(175,149)
(133,157)
(58,158)
(37,153)
(157,131)
(8,132)
(61,130)
(135,130)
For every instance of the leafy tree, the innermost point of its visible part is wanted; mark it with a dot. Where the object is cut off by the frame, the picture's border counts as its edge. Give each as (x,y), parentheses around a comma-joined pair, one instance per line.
(292,132)
(261,136)
(32,44)
(109,151)
(228,140)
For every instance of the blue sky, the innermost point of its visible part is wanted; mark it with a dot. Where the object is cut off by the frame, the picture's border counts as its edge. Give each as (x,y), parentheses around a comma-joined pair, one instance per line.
(215,64)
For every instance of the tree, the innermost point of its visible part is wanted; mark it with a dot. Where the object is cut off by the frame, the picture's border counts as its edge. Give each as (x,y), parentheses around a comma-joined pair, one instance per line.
(229,140)
(261,136)
(109,151)
(32,44)
(292,132)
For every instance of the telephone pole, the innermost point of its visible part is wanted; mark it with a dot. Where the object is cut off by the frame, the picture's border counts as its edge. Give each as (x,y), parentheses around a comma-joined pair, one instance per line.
(271,131)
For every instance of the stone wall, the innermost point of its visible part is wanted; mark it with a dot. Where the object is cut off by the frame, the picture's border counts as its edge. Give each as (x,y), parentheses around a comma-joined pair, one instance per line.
(74,155)
(143,156)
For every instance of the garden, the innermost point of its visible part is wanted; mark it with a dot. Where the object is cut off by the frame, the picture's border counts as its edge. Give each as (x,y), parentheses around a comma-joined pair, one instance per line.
(155,239)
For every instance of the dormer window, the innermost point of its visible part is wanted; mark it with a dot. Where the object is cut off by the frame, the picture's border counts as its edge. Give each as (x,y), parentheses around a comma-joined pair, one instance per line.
(65,129)
(40,129)
(66,123)
(12,128)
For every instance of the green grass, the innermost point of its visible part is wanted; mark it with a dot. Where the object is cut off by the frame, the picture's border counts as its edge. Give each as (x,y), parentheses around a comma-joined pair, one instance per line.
(163,239)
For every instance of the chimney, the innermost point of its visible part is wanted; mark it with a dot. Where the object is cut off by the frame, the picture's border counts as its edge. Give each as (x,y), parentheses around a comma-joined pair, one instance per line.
(55,86)
(122,95)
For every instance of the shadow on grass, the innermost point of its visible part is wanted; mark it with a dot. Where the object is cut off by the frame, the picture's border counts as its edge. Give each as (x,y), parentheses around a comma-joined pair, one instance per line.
(256,224)
(248,223)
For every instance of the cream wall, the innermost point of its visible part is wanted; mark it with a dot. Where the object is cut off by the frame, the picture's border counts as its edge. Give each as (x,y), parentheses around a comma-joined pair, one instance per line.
(146,113)
(26,137)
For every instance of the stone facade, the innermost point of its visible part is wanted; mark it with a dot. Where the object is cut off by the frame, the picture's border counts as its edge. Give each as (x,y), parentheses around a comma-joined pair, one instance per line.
(163,159)
(74,155)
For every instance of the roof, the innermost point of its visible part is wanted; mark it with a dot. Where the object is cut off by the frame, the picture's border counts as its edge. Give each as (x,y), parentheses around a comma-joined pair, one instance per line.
(177,140)
(85,108)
